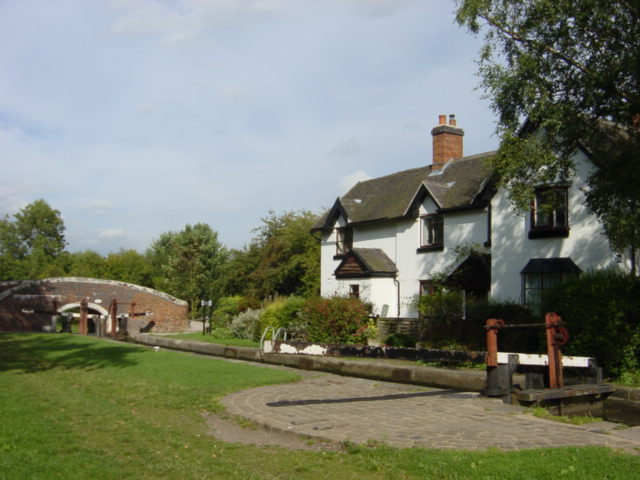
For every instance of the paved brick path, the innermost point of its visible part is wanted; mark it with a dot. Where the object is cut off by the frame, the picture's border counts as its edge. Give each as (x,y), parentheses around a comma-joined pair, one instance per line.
(343,408)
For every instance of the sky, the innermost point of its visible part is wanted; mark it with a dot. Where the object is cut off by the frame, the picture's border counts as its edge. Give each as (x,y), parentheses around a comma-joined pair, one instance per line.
(137,117)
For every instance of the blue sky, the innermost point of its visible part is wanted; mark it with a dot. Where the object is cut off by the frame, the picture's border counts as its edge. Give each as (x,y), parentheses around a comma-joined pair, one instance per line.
(136,117)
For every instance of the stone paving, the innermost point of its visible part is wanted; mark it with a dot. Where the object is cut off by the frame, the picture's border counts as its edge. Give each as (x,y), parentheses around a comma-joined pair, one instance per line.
(358,410)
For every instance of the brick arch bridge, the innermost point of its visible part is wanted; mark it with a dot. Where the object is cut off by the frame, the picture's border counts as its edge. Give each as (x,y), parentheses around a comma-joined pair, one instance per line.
(104,305)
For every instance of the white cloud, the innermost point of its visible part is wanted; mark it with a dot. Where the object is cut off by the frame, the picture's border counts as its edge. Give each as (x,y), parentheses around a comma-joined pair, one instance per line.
(111,233)
(186,20)
(350,146)
(146,107)
(235,91)
(99,207)
(376,8)
(350,180)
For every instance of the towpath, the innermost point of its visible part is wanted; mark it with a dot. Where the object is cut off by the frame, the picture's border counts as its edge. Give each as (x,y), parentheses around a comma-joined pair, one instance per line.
(341,408)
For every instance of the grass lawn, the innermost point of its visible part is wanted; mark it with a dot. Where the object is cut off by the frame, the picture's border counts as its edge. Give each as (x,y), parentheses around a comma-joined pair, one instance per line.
(197,336)
(76,407)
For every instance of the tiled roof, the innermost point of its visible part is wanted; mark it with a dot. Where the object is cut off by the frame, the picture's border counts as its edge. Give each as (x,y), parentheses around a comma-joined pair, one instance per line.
(457,185)
(375,260)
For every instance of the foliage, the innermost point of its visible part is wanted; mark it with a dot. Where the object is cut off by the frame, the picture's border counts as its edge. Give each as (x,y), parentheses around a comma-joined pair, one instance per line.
(601,310)
(399,340)
(446,326)
(88,264)
(128,266)
(283,313)
(283,258)
(336,319)
(541,412)
(32,242)
(247,325)
(221,333)
(573,69)
(226,309)
(187,263)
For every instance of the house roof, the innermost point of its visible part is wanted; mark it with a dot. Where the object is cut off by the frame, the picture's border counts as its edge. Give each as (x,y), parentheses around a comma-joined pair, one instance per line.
(366,262)
(551,265)
(459,184)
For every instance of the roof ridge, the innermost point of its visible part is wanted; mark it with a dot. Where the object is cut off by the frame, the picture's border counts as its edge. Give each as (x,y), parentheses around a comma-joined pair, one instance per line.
(414,169)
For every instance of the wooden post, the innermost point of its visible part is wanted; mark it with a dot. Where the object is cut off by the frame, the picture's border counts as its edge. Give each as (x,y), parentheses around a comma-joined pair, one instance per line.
(556,379)
(492,326)
(113,310)
(84,311)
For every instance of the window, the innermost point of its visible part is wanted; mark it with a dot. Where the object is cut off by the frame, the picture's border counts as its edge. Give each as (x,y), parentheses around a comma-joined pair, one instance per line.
(427,287)
(536,287)
(354,291)
(432,232)
(344,241)
(540,276)
(549,213)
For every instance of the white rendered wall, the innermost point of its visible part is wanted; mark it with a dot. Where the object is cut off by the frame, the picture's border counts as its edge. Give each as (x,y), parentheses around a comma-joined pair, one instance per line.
(400,240)
(511,249)
(467,227)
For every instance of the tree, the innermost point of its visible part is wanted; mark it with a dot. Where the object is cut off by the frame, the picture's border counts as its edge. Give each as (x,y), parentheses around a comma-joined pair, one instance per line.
(283,258)
(289,256)
(187,263)
(88,264)
(32,242)
(128,266)
(572,68)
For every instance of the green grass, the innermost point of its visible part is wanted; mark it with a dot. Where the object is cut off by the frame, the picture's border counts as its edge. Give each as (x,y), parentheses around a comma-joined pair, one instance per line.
(197,336)
(75,407)
(542,412)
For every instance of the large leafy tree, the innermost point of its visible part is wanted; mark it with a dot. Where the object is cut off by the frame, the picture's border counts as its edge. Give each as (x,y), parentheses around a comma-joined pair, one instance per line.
(289,260)
(283,258)
(87,263)
(128,266)
(187,263)
(572,68)
(32,243)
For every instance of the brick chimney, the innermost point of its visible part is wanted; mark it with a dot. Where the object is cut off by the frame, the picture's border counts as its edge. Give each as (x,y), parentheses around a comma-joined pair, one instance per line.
(447,140)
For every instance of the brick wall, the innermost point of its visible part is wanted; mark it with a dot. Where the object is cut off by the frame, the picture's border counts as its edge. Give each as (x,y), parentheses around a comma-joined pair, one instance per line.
(168,313)
(447,141)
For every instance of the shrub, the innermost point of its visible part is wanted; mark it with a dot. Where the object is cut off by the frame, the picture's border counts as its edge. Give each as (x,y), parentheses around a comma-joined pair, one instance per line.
(399,340)
(525,340)
(247,325)
(226,309)
(336,320)
(283,313)
(445,325)
(601,310)
(221,332)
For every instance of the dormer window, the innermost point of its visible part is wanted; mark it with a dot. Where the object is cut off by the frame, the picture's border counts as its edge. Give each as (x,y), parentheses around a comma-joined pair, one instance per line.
(549,213)
(344,240)
(432,232)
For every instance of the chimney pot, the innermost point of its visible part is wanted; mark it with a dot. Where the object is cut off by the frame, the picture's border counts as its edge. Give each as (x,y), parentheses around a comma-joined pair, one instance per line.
(452,120)
(442,119)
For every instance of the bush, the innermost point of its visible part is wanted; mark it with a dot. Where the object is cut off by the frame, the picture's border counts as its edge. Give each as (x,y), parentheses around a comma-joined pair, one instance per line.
(247,325)
(400,340)
(221,332)
(283,313)
(444,324)
(226,309)
(525,340)
(336,320)
(601,310)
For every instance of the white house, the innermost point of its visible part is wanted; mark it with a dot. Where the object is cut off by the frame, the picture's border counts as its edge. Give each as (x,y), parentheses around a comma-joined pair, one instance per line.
(387,238)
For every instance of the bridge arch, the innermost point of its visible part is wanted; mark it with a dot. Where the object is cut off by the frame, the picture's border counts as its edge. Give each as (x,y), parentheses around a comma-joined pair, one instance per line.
(31,304)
